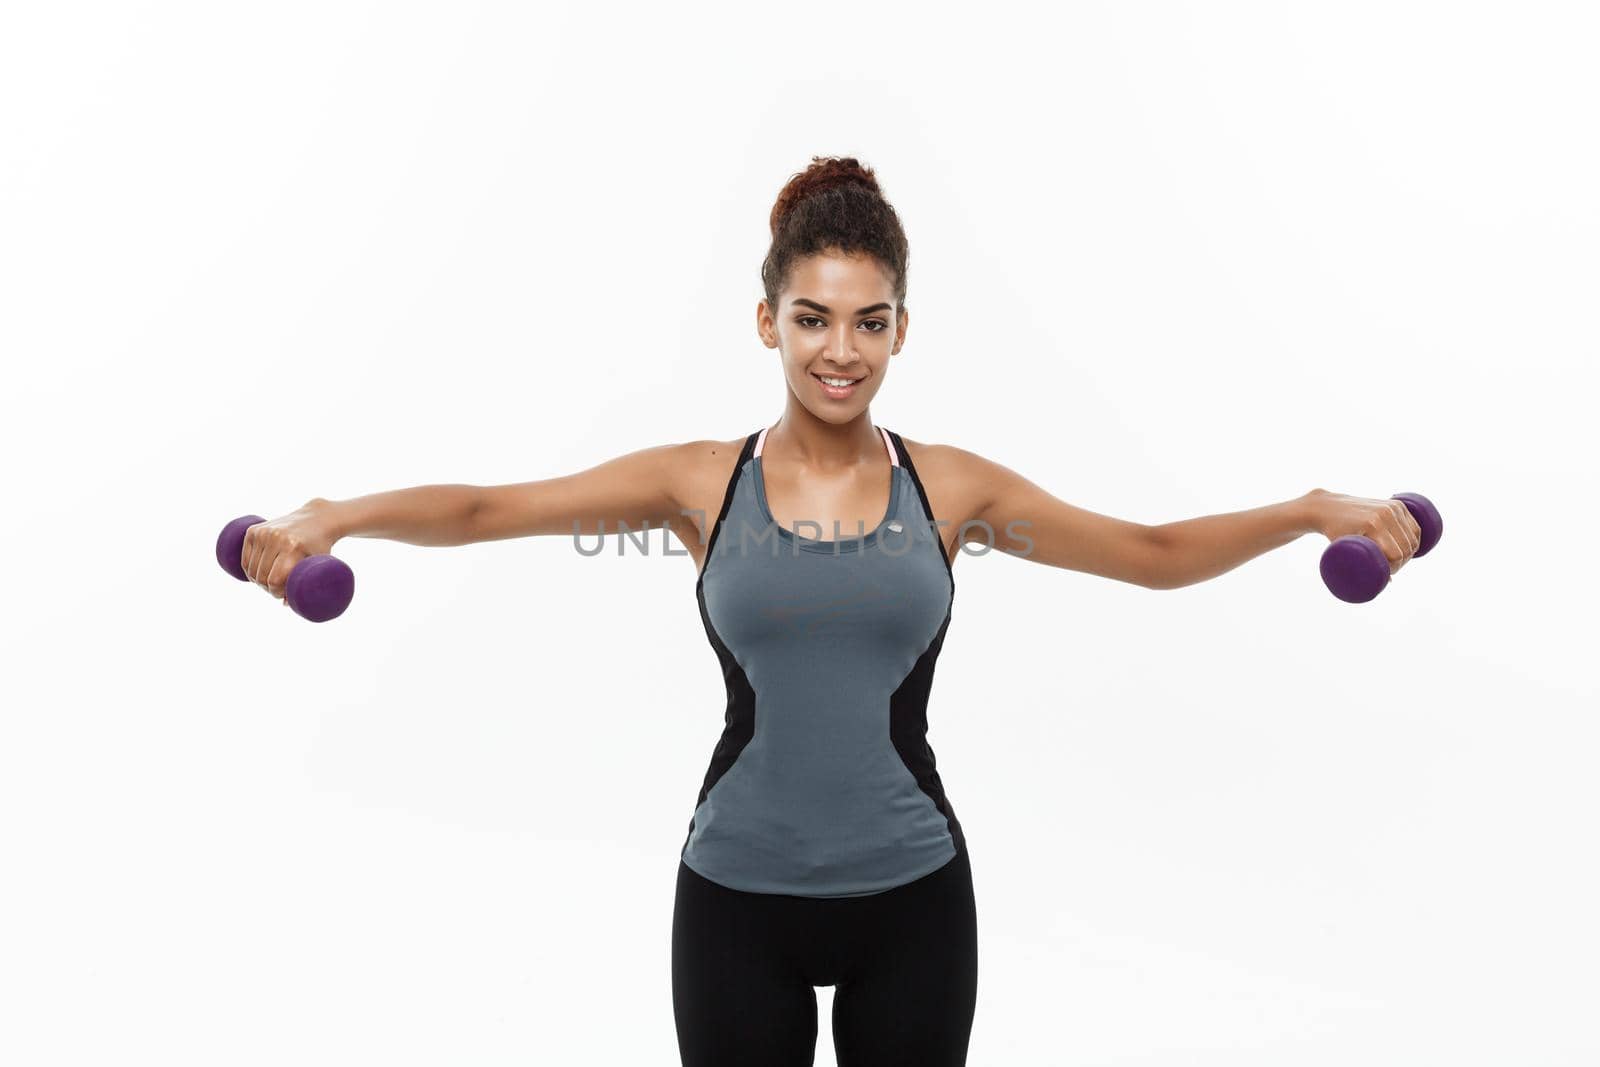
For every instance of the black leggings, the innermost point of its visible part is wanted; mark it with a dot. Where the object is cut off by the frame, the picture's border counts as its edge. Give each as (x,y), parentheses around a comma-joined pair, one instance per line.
(904,961)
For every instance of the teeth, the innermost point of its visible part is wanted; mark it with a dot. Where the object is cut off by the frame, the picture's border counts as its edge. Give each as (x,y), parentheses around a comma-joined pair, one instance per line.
(840,382)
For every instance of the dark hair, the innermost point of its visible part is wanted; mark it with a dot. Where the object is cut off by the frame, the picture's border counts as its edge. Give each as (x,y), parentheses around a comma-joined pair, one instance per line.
(834,205)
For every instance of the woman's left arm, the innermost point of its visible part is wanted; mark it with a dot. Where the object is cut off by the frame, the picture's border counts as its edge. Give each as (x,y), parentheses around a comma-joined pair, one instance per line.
(1020,518)
(1195,550)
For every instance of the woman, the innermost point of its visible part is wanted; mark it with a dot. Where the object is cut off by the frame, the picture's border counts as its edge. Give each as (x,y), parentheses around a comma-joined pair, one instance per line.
(823,849)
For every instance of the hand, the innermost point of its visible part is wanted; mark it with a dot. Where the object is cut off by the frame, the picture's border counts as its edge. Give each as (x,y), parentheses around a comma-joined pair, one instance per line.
(271,549)
(1388,523)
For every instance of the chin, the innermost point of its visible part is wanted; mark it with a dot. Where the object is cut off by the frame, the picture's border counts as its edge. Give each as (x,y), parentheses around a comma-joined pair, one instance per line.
(837,412)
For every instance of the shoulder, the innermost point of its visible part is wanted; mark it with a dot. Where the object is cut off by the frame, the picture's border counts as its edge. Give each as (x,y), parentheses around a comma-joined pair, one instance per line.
(700,469)
(708,454)
(959,483)
(952,466)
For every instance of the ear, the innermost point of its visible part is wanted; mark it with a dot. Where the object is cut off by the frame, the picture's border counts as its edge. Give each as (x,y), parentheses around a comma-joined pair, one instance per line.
(901,321)
(766,324)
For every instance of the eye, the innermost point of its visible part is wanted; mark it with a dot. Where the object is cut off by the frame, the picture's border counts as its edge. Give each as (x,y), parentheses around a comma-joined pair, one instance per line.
(879,323)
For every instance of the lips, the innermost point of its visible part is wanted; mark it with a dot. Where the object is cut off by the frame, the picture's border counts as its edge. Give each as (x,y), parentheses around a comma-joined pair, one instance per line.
(837,392)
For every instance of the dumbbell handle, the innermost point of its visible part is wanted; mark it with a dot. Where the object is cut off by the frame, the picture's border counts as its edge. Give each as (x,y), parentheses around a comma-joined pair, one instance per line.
(319,588)
(1355,569)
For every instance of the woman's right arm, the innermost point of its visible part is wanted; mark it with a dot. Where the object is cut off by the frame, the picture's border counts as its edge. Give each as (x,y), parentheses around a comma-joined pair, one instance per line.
(423,515)
(631,488)
(637,488)
(643,486)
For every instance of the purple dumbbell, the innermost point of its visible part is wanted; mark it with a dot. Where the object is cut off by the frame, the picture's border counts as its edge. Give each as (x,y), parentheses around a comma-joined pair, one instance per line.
(319,588)
(1355,569)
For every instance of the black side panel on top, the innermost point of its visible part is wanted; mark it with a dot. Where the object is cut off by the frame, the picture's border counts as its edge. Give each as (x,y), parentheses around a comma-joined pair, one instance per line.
(908,730)
(739,719)
(908,705)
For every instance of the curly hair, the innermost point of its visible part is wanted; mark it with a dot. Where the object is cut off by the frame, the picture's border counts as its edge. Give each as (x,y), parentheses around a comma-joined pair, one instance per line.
(834,205)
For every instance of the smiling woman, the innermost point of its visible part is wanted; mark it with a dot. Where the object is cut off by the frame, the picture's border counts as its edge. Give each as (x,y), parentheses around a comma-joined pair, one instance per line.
(823,848)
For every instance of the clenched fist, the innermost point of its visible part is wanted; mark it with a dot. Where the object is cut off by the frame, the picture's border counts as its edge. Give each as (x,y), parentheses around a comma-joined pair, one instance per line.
(272,548)
(1387,523)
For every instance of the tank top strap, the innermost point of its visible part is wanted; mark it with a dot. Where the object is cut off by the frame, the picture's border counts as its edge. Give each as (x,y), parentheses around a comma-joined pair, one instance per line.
(745,453)
(903,459)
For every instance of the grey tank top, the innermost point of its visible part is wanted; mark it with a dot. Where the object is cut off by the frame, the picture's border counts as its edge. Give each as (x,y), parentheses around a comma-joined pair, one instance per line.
(822,783)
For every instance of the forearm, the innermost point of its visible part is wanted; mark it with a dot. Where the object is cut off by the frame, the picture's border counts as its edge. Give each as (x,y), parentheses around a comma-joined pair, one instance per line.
(1195,550)
(424,515)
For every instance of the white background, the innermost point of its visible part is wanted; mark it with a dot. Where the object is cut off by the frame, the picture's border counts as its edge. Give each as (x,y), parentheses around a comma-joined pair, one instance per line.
(1167,261)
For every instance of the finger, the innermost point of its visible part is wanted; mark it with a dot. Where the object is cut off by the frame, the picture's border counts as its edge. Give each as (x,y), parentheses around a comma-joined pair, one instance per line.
(247,558)
(1413,532)
(1410,534)
(1391,549)
(1393,542)
(280,574)
(1397,555)
(269,560)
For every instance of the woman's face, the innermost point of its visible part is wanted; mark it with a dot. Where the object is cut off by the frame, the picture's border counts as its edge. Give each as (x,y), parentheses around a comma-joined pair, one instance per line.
(836,319)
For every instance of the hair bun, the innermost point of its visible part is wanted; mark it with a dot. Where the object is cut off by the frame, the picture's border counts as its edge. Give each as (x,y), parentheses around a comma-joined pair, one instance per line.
(834,206)
(825,172)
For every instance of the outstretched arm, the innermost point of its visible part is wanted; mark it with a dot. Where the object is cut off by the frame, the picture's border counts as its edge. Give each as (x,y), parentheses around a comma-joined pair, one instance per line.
(1008,512)
(1025,520)
(631,488)
(637,488)
(1195,550)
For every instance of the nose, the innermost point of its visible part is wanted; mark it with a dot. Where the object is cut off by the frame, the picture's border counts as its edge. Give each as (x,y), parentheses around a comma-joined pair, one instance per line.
(842,352)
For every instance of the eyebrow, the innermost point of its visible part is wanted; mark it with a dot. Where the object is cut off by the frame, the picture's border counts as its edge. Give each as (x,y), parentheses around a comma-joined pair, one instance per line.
(826,310)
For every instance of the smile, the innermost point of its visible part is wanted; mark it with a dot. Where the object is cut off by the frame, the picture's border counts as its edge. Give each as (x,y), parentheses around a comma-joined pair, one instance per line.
(836,387)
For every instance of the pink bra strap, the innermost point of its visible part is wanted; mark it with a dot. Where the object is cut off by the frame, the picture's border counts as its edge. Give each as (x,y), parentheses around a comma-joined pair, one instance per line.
(894,457)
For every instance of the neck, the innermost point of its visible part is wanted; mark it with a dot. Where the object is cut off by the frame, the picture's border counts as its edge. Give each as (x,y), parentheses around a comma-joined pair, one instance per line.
(801,436)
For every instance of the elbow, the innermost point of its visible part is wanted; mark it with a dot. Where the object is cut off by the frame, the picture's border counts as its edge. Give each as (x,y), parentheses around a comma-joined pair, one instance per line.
(468,529)
(1158,567)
